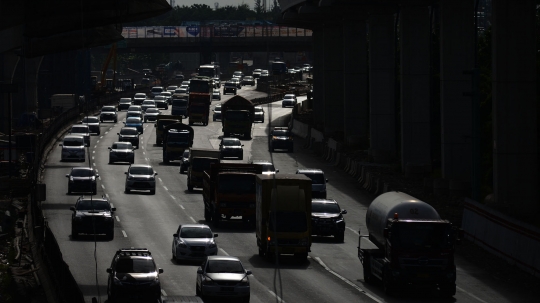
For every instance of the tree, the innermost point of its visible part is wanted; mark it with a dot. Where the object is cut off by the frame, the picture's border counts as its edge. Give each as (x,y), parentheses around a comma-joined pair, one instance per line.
(259,8)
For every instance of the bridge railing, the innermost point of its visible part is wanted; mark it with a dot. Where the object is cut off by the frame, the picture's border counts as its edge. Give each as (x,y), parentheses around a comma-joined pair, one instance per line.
(202,32)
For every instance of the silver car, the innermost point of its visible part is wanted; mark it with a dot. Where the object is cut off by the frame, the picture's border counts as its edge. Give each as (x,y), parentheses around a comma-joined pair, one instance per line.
(81,130)
(223,276)
(140,177)
(73,148)
(93,124)
(121,152)
(193,242)
(151,114)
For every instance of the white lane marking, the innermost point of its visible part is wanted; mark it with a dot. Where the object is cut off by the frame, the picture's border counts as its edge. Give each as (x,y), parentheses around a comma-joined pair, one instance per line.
(173,197)
(160,180)
(473,296)
(107,195)
(146,159)
(111,205)
(182,206)
(102,186)
(354,231)
(144,153)
(124,233)
(96,170)
(278,298)
(193,220)
(93,158)
(163,292)
(102,136)
(166,188)
(346,280)
(94,151)
(143,147)
(223,251)
(117,218)
(94,163)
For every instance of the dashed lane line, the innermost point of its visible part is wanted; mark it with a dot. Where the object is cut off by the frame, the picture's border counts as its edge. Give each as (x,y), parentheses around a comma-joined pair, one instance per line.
(280,300)
(173,197)
(182,206)
(101,137)
(160,180)
(163,292)
(102,186)
(166,188)
(354,231)
(193,220)
(223,251)
(471,295)
(107,195)
(124,233)
(117,218)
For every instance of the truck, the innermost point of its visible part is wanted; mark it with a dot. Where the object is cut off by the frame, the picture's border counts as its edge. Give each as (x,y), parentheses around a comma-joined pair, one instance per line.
(408,245)
(229,191)
(237,116)
(283,215)
(161,122)
(200,98)
(177,137)
(200,160)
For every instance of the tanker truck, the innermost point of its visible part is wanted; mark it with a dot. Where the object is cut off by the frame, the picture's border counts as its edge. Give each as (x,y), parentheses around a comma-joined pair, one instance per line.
(237,116)
(408,245)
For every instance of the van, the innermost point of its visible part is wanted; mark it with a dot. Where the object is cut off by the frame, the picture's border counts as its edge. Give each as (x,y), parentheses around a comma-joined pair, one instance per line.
(73,148)
(318,181)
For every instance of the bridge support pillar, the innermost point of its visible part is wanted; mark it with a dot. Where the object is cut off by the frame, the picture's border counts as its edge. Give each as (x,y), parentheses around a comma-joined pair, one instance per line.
(515,108)
(333,78)
(355,90)
(457,55)
(382,88)
(415,86)
(318,78)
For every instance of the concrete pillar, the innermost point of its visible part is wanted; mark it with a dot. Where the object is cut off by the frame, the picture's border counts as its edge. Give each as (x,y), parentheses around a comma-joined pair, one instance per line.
(355,90)
(333,77)
(415,89)
(457,55)
(382,88)
(515,107)
(318,77)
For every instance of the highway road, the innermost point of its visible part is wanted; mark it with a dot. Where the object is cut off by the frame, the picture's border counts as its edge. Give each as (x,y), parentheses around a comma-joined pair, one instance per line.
(332,272)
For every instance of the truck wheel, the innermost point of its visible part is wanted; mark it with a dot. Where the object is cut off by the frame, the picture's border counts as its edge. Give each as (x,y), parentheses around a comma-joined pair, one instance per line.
(110,235)
(261,253)
(152,191)
(368,277)
(340,237)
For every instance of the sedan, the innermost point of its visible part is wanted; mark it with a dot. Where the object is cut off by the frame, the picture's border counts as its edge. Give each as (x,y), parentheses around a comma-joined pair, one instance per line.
(185,161)
(81,130)
(168,96)
(121,152)
(129,134)
(237,82)
(217,113)
(231,147)
(93,124)
(289,100)
(140,177)
(217,271)
(248,80)
(124,103)
(135,122)
(82,179)
(151,114)
(193,242)
(161,102)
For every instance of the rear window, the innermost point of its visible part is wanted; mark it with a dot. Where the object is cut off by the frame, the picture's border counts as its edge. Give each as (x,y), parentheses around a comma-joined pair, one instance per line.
(79,129)
(141,171)
(109,108)
(128,131)
(123,145)
(90,120)
(73,142)
(157,90)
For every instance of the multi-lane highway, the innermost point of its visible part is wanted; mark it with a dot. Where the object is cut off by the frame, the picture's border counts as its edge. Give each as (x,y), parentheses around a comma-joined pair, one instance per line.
(332,273)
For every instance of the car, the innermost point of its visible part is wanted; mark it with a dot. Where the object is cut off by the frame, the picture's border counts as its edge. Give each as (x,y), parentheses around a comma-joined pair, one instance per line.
(217,82)
(237,82)
(135,122)
(81,130)
(139,98)
(135,108)
(92,216)
(129,134)
(147,71)
(185,161)
(168,96)
(230,87)
(267,167)
(216,94)
(93,123)
(140,177)
(259,114)
(82,179)
(121,152)
(231,147)
(161,102)
(256,73)
(73,148)
(179,77)
(193,242)
(136,114)
(318,181)
(183,89)
(327,219)
(281,138)
(172,88)
(223,276)
(156,91)
(145,82)
(125,103)
(265,73)
(306,67)
(248,80)
(108,113)
(151,114)
(147,104)
(217,113)
(133,276)
(238,74)
(289,100)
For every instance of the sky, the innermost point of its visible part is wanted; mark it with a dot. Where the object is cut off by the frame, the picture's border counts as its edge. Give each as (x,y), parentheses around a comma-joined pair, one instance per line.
(221,2)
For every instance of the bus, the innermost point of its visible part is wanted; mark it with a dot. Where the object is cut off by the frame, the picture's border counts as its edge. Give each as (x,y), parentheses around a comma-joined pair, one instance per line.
(211,71)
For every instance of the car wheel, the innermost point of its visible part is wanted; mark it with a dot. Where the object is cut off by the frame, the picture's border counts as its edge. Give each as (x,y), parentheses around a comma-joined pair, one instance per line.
(69,190)
(207,215)
(189,187)
(246,300)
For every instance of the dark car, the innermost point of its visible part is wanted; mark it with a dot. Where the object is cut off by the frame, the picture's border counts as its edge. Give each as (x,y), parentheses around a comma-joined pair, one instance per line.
(136,122)
(248,80)
(327,219)
(124,103)
(217,113)
(223,277)
(193,242)
(259,114)
(281,138)
(92,217)
(121,152)
(151,114)
(82,180)
(231,147)
(318,181)
(230,87)
(108,113)
(185,161)
(140,177)
(81,130)
(237,82)
(133,276)
(129,134)
(161,102)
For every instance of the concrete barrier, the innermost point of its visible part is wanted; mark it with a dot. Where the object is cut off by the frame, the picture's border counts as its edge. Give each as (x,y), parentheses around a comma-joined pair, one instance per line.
(516,242)
(300,129)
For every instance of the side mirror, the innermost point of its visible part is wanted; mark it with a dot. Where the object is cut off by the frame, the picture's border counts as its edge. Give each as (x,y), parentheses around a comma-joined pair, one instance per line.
(277,170)
(113,208)
(67,175)
(109,270)
(155,174)
(118,134)
(248,272)
(160,270)
(326,180)
(109,148)
(125,173)
(60,144)
(175,235)
(343,211)
(199,271)
(72,208)
(97,175)
(242,145)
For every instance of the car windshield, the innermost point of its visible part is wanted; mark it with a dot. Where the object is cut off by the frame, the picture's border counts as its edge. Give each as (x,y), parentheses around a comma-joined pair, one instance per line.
(152,111)
(79,129)
(316,178)
(160,97)
(258,109)
(166,94)
(128,131)
(108,109)
(133,120)
(231,142)
(218,108)
(280,132)
(421,236)
(157,90)
(288,97)
(82,172)
(122,145)
(171,87)
(237,184)
(141,171)
(140,95)
(90,120)
(331,208)
(134,109)
(135,265)
(179,102)
(195,232)
(148,103)
(73,142)
(93,205)
(224,266)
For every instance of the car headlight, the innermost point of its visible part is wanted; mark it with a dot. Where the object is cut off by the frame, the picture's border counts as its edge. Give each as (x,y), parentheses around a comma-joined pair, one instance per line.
(130,177)
(212,245)
(108,219)
(70,179)
(182,245)
(303,241)
(339,220)
(207,281)
(244,282)
(117,281)
(274,138)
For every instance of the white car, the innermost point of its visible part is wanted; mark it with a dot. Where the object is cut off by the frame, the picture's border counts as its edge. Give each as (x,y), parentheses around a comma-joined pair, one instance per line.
(156,91)
(193,242)
(139,98)
(289,100)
